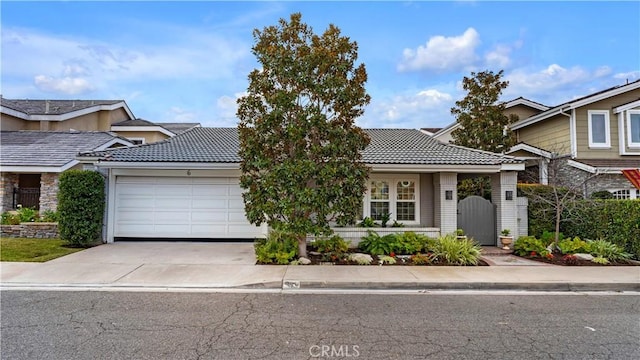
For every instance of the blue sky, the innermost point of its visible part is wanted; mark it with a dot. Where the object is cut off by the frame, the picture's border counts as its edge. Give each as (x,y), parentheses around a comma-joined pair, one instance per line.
(189,61)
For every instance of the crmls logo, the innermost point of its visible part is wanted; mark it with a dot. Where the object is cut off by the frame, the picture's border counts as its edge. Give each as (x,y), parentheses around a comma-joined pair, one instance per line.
(331,351)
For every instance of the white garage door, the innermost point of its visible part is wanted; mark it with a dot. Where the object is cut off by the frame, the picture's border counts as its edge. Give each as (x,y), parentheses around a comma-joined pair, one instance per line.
(180,207)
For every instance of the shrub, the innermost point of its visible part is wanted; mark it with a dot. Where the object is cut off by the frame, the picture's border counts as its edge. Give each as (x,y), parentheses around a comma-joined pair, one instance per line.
(573,246)
(385,259)
(367,222)
(409,243)
(49,216)
(420,259)
(526,245)
(10,218)
(374,244)
(81,207)
(361,259)
(279,247)
(541,213)
(600,260)
(617,221)
(27,214)
(608,250)
(602,195)
(454,251)
(549,237)
(335,245)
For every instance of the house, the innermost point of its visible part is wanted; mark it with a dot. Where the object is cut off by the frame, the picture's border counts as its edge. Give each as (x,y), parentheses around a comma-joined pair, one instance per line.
(587,141)
(188,186)
(31,162)
(79,115)
(521,107)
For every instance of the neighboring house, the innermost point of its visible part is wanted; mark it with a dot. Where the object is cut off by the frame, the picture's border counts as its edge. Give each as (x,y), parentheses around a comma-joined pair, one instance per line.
(521,107)
(141,131)
(79,115)
(188,186)
(31,161)
(589,140)
(178,128)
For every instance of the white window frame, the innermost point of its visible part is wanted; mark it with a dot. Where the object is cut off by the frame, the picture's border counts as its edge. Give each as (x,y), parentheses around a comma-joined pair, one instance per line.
(629,138)
(607,129)
(392,180)
(143,141)
(633,193)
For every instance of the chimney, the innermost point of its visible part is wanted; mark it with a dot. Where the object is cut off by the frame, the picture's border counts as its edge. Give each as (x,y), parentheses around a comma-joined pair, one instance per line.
(46,106)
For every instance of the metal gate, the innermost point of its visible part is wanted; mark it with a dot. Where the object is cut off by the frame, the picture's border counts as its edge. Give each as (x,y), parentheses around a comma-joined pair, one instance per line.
(477,217)
(26,197)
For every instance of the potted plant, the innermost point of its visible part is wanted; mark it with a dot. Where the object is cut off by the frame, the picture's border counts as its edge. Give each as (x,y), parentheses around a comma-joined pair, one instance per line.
(506,239)
(460,234)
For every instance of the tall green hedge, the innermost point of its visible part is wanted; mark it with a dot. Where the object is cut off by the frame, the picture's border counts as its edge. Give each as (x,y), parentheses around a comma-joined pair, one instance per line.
(542,216)
(617,221)
(81,207)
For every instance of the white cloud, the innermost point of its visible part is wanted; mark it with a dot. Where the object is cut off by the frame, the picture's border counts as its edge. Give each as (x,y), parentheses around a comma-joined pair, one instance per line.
(414,110)
(631,75)
(177,114)
(498,57)
(63,64)
(442,53)
(65,85)
(555,84)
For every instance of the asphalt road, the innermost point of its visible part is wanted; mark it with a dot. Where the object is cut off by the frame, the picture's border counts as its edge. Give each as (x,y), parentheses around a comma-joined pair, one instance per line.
(129,325)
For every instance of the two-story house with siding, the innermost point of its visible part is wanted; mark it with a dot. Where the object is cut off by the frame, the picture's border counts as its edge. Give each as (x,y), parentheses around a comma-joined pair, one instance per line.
(41,138)
(589,140)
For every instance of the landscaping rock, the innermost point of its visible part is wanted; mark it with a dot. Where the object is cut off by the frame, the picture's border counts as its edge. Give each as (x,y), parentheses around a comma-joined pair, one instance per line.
(587,257)
(358,256)
(304,261)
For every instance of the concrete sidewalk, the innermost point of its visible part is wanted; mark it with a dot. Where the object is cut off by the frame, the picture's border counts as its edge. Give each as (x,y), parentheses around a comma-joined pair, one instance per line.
(231,266)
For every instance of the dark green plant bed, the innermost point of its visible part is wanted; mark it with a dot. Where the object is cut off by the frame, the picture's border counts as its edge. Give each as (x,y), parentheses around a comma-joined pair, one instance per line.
(558,258)
(321,260)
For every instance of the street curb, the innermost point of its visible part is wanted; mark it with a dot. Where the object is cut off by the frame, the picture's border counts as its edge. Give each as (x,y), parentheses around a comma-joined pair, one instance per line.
(307,285)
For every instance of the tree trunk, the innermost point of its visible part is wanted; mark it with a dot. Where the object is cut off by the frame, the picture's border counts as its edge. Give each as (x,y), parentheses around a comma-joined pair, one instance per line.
(558,215)
(302,246)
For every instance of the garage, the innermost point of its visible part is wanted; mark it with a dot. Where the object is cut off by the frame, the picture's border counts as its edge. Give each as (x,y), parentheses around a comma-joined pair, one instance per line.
(180,207)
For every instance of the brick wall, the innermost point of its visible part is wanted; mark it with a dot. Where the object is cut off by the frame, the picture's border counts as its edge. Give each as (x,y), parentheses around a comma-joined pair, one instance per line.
(30,230)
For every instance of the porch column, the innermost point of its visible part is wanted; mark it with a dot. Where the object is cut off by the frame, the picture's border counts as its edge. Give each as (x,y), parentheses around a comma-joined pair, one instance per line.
(7,182)
(445,196)
(503,195)
(48,191)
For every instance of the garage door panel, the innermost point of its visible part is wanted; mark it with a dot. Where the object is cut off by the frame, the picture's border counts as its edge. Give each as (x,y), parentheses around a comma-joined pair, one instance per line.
(181,207)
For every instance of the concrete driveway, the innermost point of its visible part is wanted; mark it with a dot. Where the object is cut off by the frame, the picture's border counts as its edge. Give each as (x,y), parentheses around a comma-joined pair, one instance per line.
(150,252)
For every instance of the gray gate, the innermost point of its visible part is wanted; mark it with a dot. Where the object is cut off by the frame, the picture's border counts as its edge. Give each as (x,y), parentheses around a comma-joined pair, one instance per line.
(477,217)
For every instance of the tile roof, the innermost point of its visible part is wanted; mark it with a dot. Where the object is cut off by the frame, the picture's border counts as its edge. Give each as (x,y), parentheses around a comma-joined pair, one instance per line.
(48,148)
(56,107)
(178,128)
(388,146)
(135,122)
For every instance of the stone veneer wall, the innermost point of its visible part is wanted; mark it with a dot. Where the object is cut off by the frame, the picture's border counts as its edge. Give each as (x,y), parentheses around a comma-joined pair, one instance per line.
(48,192)
(7,181)
(570,175)
(30,230)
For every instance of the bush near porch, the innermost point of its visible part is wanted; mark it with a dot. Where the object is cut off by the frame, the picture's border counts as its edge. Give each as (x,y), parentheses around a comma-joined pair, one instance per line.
(81,206)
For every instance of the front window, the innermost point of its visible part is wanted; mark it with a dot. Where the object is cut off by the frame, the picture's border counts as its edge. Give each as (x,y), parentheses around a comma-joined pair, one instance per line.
(621,194)
(397,196)
(633,126)
(599,129)
(406,200)
(379,199)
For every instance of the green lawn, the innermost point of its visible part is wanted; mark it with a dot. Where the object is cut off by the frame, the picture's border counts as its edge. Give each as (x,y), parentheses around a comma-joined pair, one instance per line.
(33,250)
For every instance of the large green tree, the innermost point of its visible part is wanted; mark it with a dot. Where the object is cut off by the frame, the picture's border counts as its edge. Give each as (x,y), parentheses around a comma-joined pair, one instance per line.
(484,125)
(300,149)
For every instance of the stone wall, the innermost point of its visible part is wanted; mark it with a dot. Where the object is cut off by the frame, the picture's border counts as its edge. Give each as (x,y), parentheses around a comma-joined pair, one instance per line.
(587,182)
(7,182)
(48,192)
(30,230)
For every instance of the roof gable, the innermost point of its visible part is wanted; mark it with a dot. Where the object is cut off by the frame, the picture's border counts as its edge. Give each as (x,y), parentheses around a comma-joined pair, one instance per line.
(576,103)
(51,148)
(58,110)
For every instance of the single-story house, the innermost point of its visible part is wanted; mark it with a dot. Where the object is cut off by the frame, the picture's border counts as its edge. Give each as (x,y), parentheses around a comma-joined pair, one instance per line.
(188,186)
(31,161)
